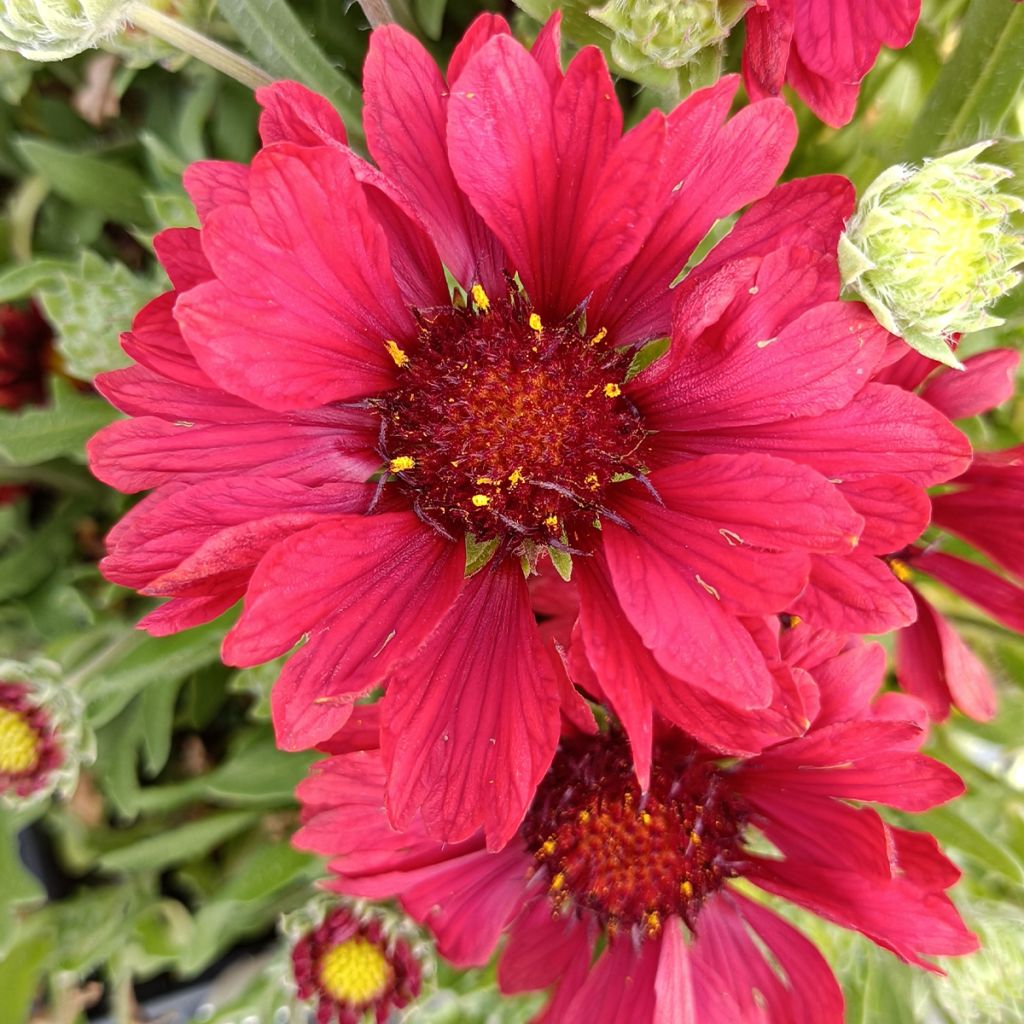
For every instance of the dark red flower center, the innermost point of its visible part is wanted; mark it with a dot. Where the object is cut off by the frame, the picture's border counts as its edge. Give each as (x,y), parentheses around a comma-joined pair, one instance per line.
(507,427)
(634,859)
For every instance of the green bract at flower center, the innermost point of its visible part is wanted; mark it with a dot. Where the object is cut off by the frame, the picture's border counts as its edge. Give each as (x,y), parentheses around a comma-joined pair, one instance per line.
(505,427)
(634,859)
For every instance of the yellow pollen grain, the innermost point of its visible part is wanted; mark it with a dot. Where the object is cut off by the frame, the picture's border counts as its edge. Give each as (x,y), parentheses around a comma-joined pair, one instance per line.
(599,337)
(487,480)
(535,323)
(19,744)
(794,621)
(355,971)
(645,818)
(584,817)
(551,522)
(402,463)
(516,477)
(480,298)
(901,570)
(612,391)
(557,882)
(548,847)
(695,838)
(480,500)
(396,353)
(592,481)
(653,923)
(686,888)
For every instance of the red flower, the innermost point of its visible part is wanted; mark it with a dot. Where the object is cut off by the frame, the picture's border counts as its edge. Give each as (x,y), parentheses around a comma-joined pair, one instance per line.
(822,48)
(24,348)
(597,858)
(348,968)
(311,343)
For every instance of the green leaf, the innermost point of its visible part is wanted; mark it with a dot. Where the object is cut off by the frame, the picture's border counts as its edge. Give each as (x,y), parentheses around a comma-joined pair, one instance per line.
(88,181)
(142,660)
(90,305)
(17,885)
(285,48)
(259,773)
(978,88)
(21,970)
(952,830)
(177,845)
(21,280)
(430,15)
(41,433)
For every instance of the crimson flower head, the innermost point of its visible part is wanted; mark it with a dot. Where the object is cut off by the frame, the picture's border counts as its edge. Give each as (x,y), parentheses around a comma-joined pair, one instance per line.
(822,48)
(24,347)
(381,396)
(649,876)
(350,970)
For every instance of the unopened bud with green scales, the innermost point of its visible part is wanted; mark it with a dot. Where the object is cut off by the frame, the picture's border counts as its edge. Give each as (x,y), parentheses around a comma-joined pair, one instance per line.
(647,40)
(931,249)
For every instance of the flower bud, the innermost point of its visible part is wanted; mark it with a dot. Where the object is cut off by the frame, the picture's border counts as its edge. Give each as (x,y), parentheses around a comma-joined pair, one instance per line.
(41,733)
(931,249)
(666,33)
(55,29)
(353,963)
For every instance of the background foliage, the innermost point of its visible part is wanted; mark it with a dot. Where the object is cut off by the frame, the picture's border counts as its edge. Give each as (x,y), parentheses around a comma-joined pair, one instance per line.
(173,851)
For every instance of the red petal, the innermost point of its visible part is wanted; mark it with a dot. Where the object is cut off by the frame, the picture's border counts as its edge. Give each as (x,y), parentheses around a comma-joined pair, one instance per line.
(766,51)
(293,113)
(1000,598)
(370,587)
(988,380)
(472,723)
(180,251)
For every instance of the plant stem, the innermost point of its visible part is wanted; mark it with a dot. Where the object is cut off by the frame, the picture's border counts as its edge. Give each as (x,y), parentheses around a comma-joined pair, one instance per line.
(195,44)
(386,12)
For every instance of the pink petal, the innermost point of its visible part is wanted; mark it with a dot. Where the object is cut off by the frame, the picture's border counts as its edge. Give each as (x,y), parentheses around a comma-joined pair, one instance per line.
(185,613)
(766,51)
(180,252)
(840,39)
(620,986)
(883,430)
(156,343)
(833,101)
(895,512)
(674,983)
(481,31)
(370,588)
(214,183)
(305,298)
(988,380)
(856,594)
(934,664)
(1000,598)
(405,115)
(293,113)
(814,364)
(547,51)
(541,948)
(472,723)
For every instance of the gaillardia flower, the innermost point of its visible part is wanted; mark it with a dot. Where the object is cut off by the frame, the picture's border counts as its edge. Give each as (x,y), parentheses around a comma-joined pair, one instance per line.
(822,48)
(376,457)
(40,733)
(655,878)
(349,969)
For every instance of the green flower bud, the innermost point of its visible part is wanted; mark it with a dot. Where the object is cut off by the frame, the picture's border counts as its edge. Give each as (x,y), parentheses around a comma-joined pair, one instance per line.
(666,33)
(55,29)
(931,249)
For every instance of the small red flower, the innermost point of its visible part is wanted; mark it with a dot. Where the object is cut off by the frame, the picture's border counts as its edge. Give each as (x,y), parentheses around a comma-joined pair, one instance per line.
(30,750)
(822,48)
(372,460)
(348,969)
(648,874)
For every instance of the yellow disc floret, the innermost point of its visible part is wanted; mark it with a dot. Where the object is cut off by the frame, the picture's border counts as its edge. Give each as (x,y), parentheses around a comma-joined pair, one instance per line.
(355,971)
(19,744)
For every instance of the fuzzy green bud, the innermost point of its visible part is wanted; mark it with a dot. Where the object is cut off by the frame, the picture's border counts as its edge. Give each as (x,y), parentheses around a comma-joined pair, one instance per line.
(55,29)
(666,33)
(931,249)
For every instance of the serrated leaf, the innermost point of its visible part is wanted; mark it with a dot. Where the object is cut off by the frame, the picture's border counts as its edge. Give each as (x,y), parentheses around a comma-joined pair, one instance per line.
(177,845)
(478,553)
(90,306)
(60,428)
(92,182)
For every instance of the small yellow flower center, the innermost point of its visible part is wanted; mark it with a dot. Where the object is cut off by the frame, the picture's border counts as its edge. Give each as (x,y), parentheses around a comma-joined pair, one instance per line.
(355,971)
(19,744)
